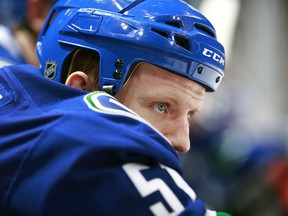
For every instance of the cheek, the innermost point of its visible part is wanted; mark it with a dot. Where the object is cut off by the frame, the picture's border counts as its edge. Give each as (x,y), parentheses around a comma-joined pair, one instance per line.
(160,126)
(125,97)
(145,111)
(155,119)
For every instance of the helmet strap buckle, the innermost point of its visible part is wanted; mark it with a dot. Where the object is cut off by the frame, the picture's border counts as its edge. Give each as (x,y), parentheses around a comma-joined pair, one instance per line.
(108,89)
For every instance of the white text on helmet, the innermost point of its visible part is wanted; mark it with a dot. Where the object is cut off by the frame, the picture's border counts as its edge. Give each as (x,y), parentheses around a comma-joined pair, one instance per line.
(216,57)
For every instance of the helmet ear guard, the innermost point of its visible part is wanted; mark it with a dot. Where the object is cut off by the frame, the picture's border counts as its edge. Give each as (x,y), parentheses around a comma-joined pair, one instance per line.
(183,42)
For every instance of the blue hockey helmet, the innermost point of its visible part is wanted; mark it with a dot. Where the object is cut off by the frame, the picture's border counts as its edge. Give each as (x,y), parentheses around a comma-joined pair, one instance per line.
(166,33)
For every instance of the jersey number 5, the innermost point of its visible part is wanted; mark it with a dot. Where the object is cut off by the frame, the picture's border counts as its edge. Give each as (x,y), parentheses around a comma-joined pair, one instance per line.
(145,188)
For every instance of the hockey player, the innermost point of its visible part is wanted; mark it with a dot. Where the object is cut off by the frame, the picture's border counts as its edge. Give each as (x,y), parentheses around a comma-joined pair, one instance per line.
(113,151)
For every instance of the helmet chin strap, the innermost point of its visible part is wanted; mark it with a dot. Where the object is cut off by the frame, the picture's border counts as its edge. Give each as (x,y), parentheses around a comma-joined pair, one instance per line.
(108,89)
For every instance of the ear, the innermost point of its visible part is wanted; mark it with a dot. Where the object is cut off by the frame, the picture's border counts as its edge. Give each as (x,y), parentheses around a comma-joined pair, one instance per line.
(79,80)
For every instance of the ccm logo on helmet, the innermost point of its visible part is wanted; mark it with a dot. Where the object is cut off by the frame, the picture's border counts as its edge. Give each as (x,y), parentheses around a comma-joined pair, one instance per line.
(216,57)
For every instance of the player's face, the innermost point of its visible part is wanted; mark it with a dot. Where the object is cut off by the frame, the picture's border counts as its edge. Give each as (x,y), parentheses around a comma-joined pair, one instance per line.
(165,100)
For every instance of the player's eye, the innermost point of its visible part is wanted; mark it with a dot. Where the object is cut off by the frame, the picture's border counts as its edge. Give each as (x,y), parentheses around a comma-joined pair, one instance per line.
(159,107)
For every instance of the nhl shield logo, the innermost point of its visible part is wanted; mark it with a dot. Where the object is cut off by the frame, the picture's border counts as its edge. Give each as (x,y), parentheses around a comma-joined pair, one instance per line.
(50,69)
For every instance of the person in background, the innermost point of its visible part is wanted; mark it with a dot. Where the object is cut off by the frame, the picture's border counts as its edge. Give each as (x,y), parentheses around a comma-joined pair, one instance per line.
(96,129)
(20,24)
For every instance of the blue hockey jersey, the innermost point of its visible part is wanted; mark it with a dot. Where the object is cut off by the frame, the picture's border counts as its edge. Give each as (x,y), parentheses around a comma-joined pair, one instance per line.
(64,151)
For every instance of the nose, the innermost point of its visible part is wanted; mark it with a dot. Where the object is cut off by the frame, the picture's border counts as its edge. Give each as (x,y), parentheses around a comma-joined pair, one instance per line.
(178,134)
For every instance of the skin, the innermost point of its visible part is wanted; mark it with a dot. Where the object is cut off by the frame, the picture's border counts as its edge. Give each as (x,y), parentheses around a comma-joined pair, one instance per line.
(164,99)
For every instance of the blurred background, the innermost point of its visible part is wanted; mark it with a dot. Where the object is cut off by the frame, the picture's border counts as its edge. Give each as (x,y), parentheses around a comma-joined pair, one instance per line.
(238,157)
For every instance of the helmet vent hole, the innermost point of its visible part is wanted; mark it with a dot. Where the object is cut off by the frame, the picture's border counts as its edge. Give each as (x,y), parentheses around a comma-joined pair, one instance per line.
(205,29)
(183,42)
(175,24)
(162,33)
